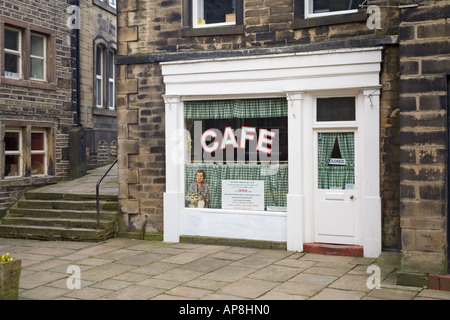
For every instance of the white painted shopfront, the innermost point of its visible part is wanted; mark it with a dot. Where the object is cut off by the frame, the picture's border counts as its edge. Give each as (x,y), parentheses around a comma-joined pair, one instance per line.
(332,123)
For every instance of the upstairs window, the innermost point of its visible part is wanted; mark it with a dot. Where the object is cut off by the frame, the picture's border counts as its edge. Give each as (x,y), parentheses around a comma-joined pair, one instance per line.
(212,17)
(112,3)
(111,80)
(99,61)
(104,81)
(38,57)
(27,55)
(316,13)
(327,7)
(13,53)
(208,13)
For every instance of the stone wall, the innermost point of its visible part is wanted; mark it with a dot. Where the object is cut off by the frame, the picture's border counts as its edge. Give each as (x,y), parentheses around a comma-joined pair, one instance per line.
(29,104)
(154,31)
(98,25)
(424,70)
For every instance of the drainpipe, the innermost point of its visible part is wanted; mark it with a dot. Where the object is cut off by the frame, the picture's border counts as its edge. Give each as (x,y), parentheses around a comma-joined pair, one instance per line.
(77,57)
(77,68)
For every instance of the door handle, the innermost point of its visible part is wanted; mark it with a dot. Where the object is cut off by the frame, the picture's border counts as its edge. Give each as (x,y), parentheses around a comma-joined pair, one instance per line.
(352,197)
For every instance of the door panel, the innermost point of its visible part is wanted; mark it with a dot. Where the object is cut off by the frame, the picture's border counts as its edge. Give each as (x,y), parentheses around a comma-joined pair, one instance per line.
(336,191)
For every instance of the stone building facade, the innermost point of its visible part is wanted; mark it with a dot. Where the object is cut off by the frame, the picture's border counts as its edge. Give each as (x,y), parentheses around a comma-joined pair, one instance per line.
(424,55)
(53,124)
(94,140)
(173,57)
(98,47)
(35,95)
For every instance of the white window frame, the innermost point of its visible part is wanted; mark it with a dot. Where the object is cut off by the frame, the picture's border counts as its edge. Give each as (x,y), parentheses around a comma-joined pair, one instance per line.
(198,12)
(111,80)
(14,52)
(43,58)
(99,78)
(112,3)
(15,153)
(43,152)
(309,4)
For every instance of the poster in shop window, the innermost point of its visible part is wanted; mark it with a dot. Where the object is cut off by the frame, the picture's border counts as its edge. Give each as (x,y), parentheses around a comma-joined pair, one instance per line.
(243,195)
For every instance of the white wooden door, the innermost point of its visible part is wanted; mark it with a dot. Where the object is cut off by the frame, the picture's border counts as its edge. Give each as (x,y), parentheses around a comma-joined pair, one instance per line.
(336,196)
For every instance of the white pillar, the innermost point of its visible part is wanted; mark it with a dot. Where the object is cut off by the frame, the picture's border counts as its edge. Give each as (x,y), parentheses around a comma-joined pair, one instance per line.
(295,196)
(370,184)
(174,195)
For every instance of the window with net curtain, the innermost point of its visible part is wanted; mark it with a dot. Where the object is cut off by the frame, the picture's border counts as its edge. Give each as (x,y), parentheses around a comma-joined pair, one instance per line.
(264,117)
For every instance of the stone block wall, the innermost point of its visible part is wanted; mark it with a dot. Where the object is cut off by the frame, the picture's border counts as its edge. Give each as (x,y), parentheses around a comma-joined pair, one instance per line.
(29,104)
(98,24)
(154,31)
(424,69)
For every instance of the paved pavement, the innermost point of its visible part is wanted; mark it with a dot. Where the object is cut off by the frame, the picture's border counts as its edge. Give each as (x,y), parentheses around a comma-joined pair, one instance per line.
(124,269)
(87,184)
(121,269)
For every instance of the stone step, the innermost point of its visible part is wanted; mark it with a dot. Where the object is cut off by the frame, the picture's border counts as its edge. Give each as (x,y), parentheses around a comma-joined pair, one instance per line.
(58,222)
(55,233)
(39,195)
(66,204)
(63,214)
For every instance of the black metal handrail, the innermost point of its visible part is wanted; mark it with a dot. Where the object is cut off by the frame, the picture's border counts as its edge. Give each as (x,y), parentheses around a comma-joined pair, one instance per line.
(97,194)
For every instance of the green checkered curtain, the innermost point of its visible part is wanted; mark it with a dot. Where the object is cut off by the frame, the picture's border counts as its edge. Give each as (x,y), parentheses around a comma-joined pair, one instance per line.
(214,109)
(242,108)
(335,176)
(275,179)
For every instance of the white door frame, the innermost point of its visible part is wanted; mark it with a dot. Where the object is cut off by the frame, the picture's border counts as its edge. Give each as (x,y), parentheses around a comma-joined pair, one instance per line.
(367,174)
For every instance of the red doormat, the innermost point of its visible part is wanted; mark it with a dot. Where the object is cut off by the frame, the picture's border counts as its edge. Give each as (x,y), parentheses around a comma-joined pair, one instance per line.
(334,249)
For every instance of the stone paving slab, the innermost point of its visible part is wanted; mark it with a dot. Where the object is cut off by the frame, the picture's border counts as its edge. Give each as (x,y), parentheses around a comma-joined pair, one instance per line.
(122,269)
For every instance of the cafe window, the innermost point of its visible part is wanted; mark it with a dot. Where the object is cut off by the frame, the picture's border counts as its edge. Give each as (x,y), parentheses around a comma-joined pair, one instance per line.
(236,154)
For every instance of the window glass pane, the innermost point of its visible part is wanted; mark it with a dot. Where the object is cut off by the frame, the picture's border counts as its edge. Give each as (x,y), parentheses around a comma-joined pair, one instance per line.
(12,165)
(37,141)
(111,65)
(37,164)
(37,46)
(99,61)
(99,92)
(216,11)
(12,142)
(336,109)
(319,6)
(37,68)
(236,159)
(336,160)
(111,95)
(11,65)
(112,3)
(12,39)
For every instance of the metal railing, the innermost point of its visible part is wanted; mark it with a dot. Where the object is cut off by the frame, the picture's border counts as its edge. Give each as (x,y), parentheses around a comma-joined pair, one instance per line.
(97,193)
